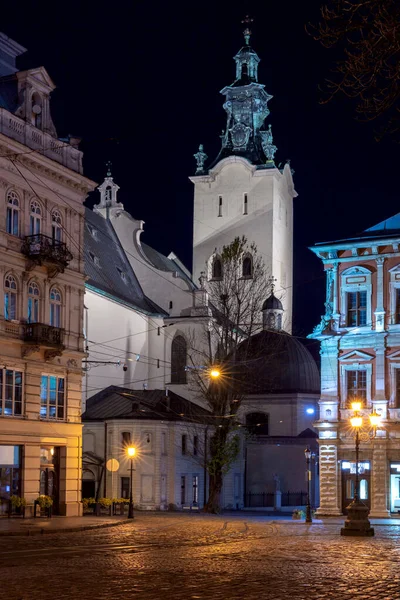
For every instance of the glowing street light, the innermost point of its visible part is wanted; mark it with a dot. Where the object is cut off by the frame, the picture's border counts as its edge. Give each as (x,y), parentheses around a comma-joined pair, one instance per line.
(215,373)
(131,451)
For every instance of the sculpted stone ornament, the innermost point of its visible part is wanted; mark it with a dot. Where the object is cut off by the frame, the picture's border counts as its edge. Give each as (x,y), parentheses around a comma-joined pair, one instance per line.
(28,350)
(50,354)
(240,136)
(267,144)
(201,158)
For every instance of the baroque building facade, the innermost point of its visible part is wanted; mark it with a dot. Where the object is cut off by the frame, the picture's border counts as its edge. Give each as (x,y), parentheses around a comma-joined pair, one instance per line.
(360,360)
(42,190)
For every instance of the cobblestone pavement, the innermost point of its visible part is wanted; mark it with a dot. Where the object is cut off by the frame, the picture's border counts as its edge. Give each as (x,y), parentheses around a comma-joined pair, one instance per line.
(198,557)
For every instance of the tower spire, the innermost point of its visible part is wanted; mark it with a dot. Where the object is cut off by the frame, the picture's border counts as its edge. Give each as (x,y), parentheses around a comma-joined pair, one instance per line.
(247,32)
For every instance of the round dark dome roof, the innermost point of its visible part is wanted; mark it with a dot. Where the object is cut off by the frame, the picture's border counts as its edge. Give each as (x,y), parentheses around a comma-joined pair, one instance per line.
(272,303)
(275,362)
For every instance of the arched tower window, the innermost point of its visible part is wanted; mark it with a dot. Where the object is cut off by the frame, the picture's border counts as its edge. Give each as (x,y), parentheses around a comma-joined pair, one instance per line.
(178,359)
(10,298)
(257,423)
(56,226)
(35,220)
(55,307)
(217,268)
(247,267)
(33,302)
(12,213)
(36,118)
(108,194)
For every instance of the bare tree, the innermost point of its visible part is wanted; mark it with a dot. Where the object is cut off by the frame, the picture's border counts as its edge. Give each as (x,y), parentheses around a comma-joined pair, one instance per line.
(368,34)
(237,287)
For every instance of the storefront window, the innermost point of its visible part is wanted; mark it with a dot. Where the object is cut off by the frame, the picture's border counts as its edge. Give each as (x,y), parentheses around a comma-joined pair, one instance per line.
(10,475)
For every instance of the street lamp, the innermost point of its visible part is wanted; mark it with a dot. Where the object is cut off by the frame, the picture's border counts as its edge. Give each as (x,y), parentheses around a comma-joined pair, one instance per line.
(357,522)
(215,372)
(131,451)
(307,454)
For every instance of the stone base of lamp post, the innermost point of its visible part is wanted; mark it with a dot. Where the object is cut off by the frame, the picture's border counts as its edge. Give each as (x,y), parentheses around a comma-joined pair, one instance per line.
(357,523)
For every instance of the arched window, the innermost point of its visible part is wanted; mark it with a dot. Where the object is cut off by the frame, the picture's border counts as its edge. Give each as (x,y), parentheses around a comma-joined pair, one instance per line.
(35,222)
(108,194)
(217,268)
(178,359)
(56,226)
(12,213)
(257,423)
(36,118)
(55,307)
(10,298)
(247,267)
(33,302)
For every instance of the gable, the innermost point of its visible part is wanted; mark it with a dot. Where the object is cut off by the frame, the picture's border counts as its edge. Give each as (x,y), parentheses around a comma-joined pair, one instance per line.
(354,355)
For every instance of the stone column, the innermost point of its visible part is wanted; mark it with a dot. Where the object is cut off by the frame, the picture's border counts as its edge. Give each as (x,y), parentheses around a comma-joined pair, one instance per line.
(379,479)
(380,310)
(329,479)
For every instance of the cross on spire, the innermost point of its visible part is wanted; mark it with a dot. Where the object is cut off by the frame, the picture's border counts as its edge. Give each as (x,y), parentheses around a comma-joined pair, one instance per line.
(247,32)
(108,165)
(271,281)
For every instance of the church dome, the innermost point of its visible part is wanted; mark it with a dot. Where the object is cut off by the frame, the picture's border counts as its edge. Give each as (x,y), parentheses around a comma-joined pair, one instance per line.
(272,362)
(272,303)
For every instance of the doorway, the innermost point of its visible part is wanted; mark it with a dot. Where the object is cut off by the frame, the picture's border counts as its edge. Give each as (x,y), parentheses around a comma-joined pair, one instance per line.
(50,475)
(395,488)
(349,483)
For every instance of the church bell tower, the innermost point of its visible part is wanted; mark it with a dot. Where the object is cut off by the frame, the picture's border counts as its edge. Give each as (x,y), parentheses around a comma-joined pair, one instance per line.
(242,192)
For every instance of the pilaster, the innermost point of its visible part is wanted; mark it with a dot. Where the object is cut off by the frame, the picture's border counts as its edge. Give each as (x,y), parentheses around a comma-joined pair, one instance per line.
(380,311)
(379,479)
(329,480)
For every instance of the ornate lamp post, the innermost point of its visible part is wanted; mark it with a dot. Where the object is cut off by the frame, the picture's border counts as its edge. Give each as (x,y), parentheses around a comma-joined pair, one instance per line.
(131,451)
(307,454)
(357,522)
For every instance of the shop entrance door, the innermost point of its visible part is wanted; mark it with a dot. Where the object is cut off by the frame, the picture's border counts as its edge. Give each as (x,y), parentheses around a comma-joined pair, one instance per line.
(395,488)
(349,483)
(50,475)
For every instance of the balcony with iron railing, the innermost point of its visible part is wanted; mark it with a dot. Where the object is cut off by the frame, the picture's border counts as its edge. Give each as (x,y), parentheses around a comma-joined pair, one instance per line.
(44,250)
(41,334)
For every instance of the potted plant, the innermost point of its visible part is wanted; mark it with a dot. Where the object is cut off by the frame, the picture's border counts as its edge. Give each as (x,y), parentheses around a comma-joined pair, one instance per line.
(17,506)
(106,503)
(45,504)
(297,514)
(89,503)
(119,505)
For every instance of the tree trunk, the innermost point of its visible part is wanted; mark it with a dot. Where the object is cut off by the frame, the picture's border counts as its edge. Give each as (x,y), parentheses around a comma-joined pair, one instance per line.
(214,494)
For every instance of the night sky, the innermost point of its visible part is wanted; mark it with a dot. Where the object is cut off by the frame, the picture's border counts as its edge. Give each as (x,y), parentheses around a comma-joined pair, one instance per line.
(140,82)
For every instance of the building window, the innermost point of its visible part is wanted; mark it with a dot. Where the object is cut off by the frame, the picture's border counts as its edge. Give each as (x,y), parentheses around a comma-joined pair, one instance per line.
(52,397)
(220,206)
(178,360)
(163,443)
(122,275)
(56,226)
(257,423)
(217,268)
(10,392)
(35,222)
(247,267)
(356,386)
(126,438)
(397,381)
(108,195)
(55,307)
(245,204)
(33,302)
(397,310)
(171,305)
(183,489)
(356,309)
(195,489)
(12,213)
(195,445)
(125,489)
(184,444)
(10,298)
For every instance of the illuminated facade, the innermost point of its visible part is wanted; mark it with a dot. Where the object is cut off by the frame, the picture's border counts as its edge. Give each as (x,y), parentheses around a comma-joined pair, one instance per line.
(42,190)
(360,359)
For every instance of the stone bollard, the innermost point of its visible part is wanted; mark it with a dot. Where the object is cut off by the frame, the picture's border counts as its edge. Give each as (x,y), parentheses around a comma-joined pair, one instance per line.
(278,500)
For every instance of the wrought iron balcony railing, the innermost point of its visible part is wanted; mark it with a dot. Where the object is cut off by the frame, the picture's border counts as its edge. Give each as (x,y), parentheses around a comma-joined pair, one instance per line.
(43,335)
(42,249)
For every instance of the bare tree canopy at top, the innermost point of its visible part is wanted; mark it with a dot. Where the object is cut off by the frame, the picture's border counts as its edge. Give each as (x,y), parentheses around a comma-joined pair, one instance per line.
(368,33)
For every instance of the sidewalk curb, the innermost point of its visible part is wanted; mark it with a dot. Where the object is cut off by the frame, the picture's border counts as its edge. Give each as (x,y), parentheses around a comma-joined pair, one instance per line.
(38,531)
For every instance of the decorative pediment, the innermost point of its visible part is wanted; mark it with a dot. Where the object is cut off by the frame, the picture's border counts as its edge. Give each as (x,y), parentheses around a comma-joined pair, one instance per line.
(395,269)
(38,76)
(355,355)
(394,355)
(356,271)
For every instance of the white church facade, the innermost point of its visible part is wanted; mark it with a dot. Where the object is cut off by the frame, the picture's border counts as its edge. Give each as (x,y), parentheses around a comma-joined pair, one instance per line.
(142,310)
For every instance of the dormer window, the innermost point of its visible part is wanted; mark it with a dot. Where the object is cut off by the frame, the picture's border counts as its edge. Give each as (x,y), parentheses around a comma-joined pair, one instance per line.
(123,275)
(36,118)
(94,259)
(108,194)
(92,231)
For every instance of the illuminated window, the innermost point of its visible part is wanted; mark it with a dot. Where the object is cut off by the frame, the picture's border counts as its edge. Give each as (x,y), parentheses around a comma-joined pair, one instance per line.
(356,386)
(356,309)
(220,206)
(33,302)
(35,219)
(10,298)
(55,307)
(12,213)
(178,359)
(10,392)
(363,489)
(52,397)
(245,204)
(56,226)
